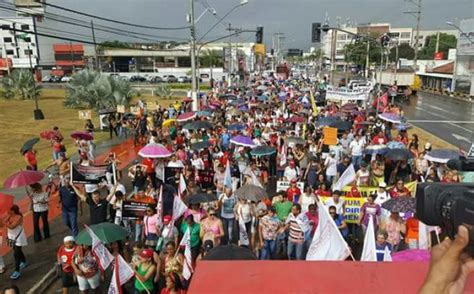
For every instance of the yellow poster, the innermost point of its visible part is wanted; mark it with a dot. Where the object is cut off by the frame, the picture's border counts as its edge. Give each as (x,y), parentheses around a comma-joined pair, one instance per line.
(330,136)
(352,207)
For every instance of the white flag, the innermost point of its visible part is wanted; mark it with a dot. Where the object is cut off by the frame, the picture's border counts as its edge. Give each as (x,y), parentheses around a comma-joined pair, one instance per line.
(387,255)
(347,177)
(181,186)
(283,155)
(243,236)
(424,236)
(159,206)
(103,255)
(227,176)
(122,273)
(179,208)
(369,252)
(327,243)
(255,180)
(188,261)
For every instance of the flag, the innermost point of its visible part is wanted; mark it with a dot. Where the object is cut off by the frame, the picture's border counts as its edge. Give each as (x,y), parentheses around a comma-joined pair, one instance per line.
(369,252)
(255,180)
(100,251)
(327,243)
(243,236)
(227,176)
(424,235)
(181,185)
(188,261)
(122,273)
(313,103)
(387,255)
(283,155)
(159,205)
(179,208)
(347,177)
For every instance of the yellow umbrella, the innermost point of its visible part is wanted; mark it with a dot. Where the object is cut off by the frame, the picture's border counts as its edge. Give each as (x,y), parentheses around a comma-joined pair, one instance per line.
(168,122)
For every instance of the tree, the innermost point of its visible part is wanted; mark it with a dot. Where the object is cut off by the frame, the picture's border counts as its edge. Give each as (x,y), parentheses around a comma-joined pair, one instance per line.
(404,51)
(112,45)
(163,90)
(356,52)
(446,42)
(21,83)
(91,89)
(211,58)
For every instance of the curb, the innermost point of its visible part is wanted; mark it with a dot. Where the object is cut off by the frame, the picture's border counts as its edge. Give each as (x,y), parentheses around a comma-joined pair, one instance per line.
(459,96)
(44,283)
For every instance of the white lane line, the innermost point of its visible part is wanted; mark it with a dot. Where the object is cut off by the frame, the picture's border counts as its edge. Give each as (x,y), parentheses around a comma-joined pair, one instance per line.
(451,124)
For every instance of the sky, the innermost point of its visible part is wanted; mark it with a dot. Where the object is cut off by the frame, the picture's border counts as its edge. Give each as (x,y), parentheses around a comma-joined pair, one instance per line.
(293,18)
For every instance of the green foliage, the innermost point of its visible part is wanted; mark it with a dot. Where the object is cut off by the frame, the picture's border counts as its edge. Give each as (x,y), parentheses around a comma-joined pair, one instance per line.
(404,51)
(112,45)
(20,83)
(163,91)
(187,86)
(356,52)
(446,42)
(211,58)
(91,89)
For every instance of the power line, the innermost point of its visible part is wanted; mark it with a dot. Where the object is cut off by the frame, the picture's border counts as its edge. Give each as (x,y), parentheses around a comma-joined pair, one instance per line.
(111,20)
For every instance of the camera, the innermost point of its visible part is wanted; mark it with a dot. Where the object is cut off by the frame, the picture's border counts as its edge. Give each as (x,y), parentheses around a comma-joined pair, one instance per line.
(447,206)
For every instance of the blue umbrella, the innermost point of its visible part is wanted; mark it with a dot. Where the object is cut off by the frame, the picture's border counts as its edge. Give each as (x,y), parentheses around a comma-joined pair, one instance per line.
(236,127)
(237,102)
(376,149)
(326,121)
(262,98)
(395,145)
(403,126)
(263,151)
(203,113)
(442,155)
(244,108)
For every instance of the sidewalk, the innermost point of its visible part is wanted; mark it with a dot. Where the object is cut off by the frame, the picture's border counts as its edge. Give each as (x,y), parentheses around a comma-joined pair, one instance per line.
(41,256)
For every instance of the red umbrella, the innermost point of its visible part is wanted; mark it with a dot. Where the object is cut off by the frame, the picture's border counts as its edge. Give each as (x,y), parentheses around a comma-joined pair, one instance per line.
(186,116)
(48,135)
(23,178)
(81,135)
(296,119)
(348,107)
(187,100)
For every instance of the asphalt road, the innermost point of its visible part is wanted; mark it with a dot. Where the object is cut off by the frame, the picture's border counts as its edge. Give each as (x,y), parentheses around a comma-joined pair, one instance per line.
(445,117)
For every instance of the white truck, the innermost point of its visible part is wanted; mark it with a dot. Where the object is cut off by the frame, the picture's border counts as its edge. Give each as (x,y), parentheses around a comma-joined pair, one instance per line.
(403,78)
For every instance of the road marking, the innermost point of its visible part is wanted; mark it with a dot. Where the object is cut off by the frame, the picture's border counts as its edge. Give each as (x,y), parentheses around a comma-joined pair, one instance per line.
(441,121)
(438,108)
(461,138)
(434,114)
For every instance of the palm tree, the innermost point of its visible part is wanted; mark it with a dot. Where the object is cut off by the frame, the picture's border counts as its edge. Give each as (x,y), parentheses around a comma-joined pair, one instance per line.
(91,89)
(20,82)
(211,58)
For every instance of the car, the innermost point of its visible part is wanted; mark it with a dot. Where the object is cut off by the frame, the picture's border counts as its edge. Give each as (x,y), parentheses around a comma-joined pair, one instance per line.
(137,79)
(184,79)
(46,79)
(66,79)
(55,79)
(156,80)
(170,79)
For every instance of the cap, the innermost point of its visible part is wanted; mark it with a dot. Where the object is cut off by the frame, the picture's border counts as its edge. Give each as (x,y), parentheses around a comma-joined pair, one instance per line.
(69,239)
(382,185)
(146,253)
(293,181)
(167,219)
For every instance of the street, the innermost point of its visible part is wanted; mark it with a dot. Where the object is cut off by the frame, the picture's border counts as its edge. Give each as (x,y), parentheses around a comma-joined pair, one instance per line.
(447,118)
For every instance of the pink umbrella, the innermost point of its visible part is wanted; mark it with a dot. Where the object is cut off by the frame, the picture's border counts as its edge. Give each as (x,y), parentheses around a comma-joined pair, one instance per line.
(187,100)
(154,151)
(81,135)
(296,119)
(23,178)
(186,116)
(412,255)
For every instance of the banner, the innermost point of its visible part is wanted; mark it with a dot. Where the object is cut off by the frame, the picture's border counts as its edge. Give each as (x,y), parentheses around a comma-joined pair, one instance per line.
(366,191)
(333,93)
(284,185)
(352,207)
(330,136)
(85,114)
(90,174)
(171,174)
(132,210)
(206,179)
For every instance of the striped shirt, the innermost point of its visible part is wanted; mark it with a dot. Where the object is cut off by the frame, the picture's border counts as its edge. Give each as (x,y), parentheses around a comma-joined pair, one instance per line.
(299,225)
(40,201)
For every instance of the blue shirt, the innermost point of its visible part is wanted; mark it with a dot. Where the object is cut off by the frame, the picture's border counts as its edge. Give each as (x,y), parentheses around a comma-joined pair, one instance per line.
(380,250)
(68,199)
(338,220)
(225,139)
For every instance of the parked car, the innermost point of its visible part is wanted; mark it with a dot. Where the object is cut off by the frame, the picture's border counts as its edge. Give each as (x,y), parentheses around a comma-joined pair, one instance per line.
(55,79)
(66,79)
(156,80)
(184,79)
(170,79)
(137,79)
(46,79)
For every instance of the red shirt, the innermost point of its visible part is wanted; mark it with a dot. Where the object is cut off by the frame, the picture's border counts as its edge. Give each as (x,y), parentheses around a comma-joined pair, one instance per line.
(179,140)
(65,257)
(292,192)
(148,162)
(30,157)
(394,193)
(315,220)
(379,140)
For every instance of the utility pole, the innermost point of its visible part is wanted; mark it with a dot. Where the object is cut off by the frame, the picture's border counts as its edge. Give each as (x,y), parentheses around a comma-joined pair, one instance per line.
(367,61)
(230,65)
(72,58)
(194,89)
(417,12)
(333,54)
(437,42)
(96,63)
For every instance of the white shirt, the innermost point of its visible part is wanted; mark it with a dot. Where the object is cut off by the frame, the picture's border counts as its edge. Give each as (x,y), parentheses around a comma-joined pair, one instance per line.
(339,205)
(357,147)
(197,163)
(331,166)
(290,173)
(176,163)
(381,197)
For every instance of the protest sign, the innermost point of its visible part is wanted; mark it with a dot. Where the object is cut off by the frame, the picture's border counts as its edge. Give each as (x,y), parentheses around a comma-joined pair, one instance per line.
(121,108)
(91,174)
(135,110)
(333,93)
(330,136)
(85,114)
(151,105)
(132,210)
(206,179)
(366,191)
(171,174)
(284,185)
(352,207)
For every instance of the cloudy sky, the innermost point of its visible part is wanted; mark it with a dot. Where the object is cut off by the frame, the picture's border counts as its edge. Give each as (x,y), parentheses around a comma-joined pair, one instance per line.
(291,17)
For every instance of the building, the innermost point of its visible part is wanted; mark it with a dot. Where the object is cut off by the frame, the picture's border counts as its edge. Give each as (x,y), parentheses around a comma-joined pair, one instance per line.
(464,66)
(20,47)
(68,58)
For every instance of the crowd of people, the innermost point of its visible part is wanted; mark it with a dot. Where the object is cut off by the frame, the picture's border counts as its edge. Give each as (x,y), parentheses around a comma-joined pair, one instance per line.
(265,136)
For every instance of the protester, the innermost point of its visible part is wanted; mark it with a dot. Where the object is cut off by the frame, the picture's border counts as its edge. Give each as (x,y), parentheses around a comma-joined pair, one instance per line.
(69,202)
(97,205)
(298,226)
(381,245)
(40,199)
(269,227)
(86,269)
(65,256)
(16,239)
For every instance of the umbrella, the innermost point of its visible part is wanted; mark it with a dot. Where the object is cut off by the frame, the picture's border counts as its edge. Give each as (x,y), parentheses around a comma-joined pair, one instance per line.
(237,102)
(395,145)
(128,115)
(168,122)
(251,192)
(216,103)
(82,135)
(244,108)
(229,96)
(154,151)
(341,125)
(442,155)
(391,117)
(187,100)
(243,141)
(403,126)
(261,88)
(398,154)
(376,149)
(203,113)
(326,121)
(412,255)
(262,98)
(28,145)
(263,151)
(6,201)
(236,127)
(296,119)
(48,135)
(348,107)
(186,116)
(202,198)
(400,204)
(366,123)
(198,125)
(230,252)
(23,178)
(235,112)
(296,140)
(106,232)
(200,145)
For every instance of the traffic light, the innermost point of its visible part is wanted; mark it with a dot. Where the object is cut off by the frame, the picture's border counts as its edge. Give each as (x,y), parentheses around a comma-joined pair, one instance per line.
(325,27)
(316,32)
(385,40)
(259,35)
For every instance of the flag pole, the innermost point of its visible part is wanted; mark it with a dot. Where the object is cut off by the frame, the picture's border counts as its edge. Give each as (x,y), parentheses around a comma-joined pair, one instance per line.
(353,258)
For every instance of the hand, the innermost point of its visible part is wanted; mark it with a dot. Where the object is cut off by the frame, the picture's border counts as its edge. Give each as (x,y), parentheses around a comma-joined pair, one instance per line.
(450,266)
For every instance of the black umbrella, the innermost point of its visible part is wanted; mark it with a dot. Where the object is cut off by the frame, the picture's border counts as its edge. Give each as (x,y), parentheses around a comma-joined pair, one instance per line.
(200,145)
(28,145)
(251,192)
(341,125)
(400,204)
(230,252)
(198,125)
(398,154)
(326,121)
(202,198)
